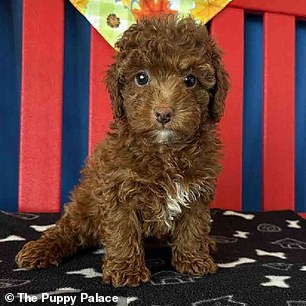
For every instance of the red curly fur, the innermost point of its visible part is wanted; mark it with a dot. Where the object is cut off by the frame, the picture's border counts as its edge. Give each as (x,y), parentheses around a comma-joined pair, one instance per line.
(147,179)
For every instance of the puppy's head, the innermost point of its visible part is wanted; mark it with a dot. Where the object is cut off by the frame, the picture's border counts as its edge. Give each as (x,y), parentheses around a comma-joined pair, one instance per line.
(167,79)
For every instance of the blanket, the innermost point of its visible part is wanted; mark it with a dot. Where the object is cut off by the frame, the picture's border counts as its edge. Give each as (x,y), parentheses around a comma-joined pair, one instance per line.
(261,258)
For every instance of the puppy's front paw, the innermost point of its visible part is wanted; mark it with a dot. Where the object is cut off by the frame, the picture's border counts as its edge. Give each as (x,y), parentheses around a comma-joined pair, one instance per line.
(38,254)
(126,277)
(194,265)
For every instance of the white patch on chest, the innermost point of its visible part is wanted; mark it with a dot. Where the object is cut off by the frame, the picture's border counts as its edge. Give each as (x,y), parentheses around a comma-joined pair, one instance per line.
(182,198)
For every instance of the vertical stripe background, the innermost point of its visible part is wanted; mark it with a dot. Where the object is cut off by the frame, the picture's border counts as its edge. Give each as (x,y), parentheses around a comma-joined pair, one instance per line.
(252,114)
(300,117)
(227,28)
(75,98)
(100,114)
(41,105)
(278,111)
(10,82)
(81,112)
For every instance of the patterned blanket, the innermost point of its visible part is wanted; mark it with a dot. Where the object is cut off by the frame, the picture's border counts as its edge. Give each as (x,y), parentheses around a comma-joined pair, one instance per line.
(262,260)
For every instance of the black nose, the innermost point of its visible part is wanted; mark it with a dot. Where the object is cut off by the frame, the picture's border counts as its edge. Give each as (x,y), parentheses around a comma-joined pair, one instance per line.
(163,114)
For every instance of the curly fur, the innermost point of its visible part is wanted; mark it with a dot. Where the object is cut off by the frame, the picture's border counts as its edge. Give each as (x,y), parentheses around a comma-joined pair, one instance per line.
(146,180)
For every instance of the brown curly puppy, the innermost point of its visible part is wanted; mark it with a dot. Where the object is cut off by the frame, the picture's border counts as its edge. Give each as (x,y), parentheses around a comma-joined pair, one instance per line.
(155,173)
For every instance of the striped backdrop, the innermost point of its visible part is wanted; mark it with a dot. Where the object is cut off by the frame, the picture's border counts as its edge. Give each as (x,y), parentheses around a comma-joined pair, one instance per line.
(54,106)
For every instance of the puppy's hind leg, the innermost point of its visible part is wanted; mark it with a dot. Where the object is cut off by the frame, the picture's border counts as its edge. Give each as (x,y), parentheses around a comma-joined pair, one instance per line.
(71,233)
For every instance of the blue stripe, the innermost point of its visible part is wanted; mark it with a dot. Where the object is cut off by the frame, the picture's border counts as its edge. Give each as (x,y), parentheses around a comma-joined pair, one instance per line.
(300,117)
(252,114)
(10,83)
(76,98)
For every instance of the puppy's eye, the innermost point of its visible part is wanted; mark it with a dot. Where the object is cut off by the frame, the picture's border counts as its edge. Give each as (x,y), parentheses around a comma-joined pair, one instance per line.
(142,78)
(190,80)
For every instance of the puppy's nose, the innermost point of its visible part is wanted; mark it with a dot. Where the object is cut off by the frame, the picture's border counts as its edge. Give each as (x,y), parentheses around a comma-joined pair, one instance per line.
(163,114)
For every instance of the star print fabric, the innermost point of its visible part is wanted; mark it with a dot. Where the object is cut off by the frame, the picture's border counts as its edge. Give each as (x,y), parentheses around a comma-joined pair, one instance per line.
(261,258)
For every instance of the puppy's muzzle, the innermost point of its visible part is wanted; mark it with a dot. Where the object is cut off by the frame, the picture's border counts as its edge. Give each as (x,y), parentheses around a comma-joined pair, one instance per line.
(163,115)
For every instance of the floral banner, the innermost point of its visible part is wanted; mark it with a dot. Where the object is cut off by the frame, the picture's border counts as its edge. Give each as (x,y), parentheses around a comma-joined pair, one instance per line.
(112,17)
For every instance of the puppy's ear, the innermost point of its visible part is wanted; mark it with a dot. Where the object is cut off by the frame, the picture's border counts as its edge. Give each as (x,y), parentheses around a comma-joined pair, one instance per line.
(114,85)
(220,89)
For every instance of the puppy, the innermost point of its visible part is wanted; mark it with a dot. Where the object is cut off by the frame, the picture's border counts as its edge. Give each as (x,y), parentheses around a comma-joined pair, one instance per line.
(155,172)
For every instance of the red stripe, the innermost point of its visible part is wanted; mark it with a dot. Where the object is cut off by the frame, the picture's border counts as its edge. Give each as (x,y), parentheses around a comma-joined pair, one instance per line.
(296,7)
(100,113)
(41,106)
(228,28)
(303,215)
(278,138)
